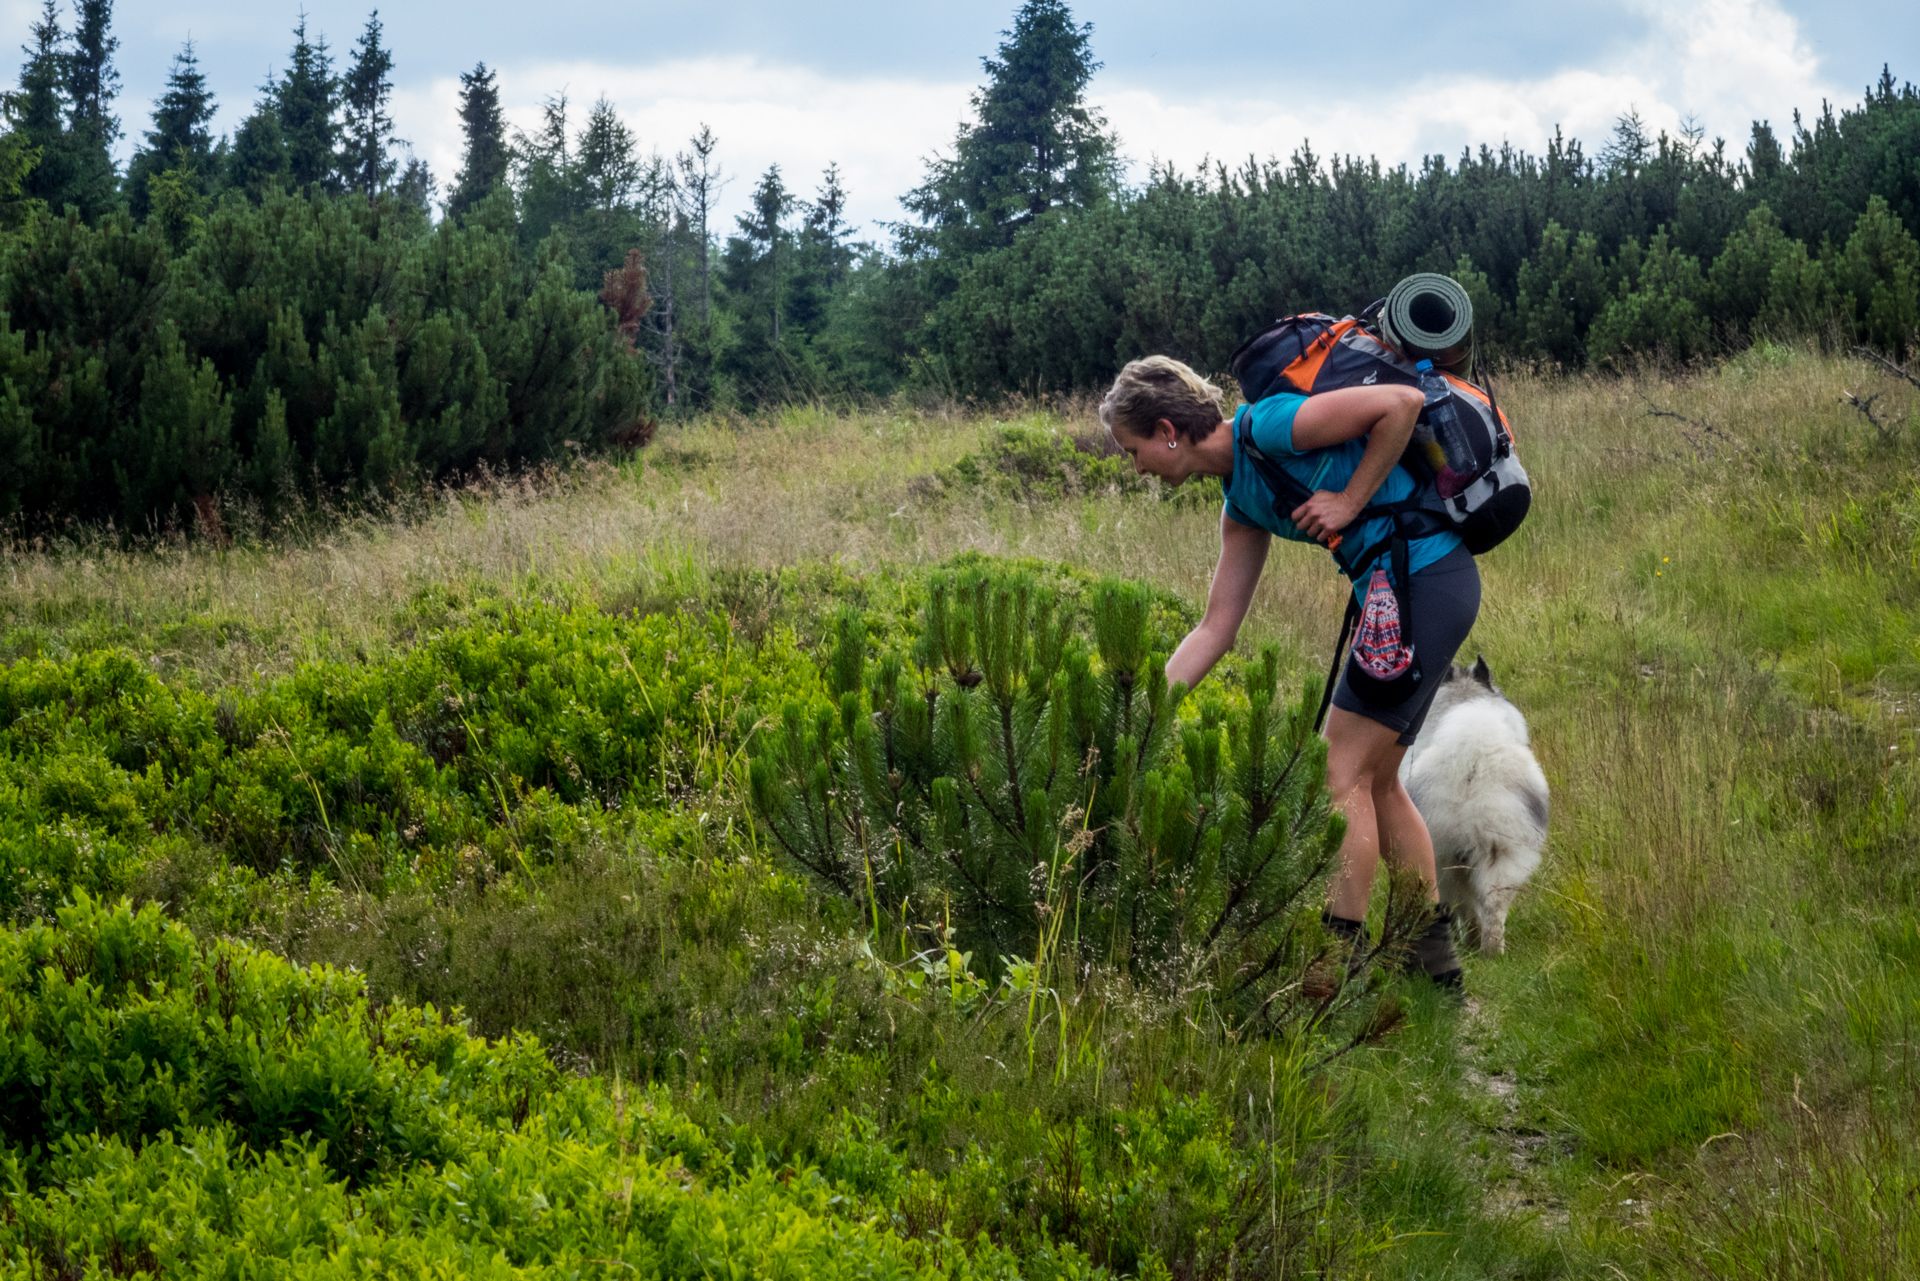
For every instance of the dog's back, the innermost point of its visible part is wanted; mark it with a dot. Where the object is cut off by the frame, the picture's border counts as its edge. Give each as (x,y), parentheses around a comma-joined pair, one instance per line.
(1474,780)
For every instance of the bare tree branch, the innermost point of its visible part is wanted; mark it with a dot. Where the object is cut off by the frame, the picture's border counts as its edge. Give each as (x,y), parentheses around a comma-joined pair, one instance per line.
(1885,430)
(1702,435)
(1886,362)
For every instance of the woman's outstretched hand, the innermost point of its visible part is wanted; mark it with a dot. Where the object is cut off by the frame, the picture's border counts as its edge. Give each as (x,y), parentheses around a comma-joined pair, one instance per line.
(1323,516)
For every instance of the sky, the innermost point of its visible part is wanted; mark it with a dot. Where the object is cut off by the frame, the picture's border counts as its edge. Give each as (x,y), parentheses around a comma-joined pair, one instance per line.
(878,87)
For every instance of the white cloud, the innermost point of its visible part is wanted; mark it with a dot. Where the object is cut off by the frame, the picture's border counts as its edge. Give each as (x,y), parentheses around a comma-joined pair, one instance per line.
(1722,63)
(1719,63)
(878,131)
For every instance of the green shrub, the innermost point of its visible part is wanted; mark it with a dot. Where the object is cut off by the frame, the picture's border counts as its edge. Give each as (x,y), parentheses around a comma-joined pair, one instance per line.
(117,1024)
(917,1089)
(1003,767)
(305,342)
(1028,463)
(495,740)
(1880,271)
(175,1108)
(181,1108)
(1562,287)
(1660,309)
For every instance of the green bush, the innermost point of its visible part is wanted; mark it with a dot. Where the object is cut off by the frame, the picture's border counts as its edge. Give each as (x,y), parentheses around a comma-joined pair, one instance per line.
(1562,287)
(181,1109)
(118,1024)
(1661,307)
(303,344)
(1879,271)
(484,748)
(916,1088)
(1003,767)
(1030,463)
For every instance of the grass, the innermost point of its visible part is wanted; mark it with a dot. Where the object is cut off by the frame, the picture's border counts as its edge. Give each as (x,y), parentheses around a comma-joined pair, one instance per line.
(1698,1056)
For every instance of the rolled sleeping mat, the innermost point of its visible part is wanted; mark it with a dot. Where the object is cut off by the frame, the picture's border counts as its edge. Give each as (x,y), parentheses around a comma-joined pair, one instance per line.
(1429,317)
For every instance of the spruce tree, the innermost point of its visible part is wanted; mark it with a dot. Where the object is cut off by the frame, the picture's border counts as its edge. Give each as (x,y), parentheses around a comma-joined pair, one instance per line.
(547,179)
(416,187)
(257,160)
(1034,146)
(17,160)
(366,164)
(39,110)
(484,169)
(92,85)
(306,100)
(609,158)
(826,226)
(180,138)
(821,260)
(760,226)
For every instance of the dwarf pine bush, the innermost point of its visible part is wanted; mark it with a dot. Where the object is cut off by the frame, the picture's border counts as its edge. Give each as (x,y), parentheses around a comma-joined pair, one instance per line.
(1029,773)
(302,345)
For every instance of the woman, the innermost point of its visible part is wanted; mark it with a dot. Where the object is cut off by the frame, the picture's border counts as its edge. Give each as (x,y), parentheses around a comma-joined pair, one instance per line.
(1344,446)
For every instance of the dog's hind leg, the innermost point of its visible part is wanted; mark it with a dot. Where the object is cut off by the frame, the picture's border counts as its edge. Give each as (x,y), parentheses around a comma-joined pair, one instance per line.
(1455,876)
(1491,914)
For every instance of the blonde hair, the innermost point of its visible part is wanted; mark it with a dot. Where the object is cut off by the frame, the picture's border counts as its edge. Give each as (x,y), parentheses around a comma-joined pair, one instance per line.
(1161,387)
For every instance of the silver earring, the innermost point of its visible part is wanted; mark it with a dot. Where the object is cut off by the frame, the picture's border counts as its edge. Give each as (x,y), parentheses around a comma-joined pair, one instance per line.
(1173,444)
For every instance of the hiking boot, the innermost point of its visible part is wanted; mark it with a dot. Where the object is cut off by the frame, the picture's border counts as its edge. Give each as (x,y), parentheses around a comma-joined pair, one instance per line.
(1355,935)
(1434,951)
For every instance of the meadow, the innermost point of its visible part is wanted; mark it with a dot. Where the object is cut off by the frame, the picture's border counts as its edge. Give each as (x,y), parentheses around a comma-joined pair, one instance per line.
(450,917)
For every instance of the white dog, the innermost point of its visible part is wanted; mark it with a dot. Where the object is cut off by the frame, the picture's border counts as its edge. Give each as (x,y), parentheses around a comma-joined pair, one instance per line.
(1475,781)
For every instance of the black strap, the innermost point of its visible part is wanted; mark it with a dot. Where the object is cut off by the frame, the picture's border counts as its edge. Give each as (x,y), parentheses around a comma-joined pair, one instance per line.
(1414,516)
(1347,622)
(1483,371)
(1403,584)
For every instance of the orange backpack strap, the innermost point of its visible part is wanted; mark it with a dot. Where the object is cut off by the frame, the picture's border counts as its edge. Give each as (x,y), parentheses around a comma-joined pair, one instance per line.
(1302,372)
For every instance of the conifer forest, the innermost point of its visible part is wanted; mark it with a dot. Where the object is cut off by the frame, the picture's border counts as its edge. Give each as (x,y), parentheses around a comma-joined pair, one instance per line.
(590,716)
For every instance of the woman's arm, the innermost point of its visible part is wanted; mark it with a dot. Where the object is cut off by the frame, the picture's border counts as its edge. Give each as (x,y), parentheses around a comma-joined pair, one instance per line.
(1243,553)
(1385,416)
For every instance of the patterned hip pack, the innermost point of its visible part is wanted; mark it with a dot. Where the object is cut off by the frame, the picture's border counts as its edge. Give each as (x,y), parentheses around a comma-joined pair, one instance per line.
(1383,671)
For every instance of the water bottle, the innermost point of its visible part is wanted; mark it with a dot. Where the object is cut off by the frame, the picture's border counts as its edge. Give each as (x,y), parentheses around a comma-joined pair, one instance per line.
(1455,461)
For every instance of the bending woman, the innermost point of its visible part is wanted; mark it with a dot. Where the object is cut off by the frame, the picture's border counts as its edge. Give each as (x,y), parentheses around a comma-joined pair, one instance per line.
(1345,446)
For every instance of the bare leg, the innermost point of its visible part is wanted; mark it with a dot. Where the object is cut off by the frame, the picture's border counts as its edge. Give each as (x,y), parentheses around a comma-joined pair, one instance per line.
(1363,764)
(1408,844)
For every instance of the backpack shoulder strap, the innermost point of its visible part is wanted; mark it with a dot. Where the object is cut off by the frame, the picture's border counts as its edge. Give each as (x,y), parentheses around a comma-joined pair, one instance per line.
(1347,621)
(1483,371)
(1286,489)
(1413,517)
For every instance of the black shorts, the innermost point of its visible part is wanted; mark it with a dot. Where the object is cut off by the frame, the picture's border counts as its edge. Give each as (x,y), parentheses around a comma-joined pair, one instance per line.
(1444,601)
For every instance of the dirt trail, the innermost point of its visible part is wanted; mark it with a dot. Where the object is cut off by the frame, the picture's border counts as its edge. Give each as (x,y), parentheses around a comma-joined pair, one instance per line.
(1516,1183)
